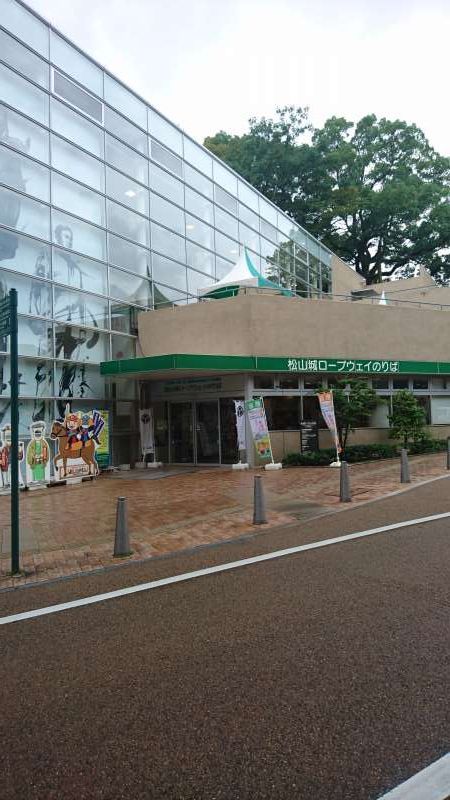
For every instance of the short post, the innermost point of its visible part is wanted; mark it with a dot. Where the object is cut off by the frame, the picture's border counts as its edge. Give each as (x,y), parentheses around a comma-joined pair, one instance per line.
(448,452)
(345,495)
(404,466)
(122,538)
(259,503)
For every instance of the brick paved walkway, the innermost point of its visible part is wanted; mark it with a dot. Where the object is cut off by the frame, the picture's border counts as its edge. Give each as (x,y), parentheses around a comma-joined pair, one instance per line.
(65,530)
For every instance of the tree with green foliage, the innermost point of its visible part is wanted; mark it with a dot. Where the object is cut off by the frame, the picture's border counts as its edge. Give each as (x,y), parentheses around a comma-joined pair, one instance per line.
(407,420)
(354,403)
(375,192)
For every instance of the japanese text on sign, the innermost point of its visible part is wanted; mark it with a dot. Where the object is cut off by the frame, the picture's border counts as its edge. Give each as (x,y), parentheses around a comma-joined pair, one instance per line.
(341,365)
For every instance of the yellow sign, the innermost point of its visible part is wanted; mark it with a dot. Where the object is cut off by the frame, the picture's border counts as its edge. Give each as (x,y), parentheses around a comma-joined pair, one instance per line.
(102,453)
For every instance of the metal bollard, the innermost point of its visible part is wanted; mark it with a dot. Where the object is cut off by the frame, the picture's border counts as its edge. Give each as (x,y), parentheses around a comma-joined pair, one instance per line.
(448,453)
(404,466)
(122,538)
(259,503)
(345,495)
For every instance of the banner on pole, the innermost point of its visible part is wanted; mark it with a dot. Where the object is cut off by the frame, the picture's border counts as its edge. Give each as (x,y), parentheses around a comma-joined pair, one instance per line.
(102,454)
(327,409)
(239,408)
(147,431)
(258,425)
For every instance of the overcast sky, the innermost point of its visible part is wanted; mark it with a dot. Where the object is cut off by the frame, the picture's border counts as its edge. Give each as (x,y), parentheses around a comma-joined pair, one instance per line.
(211,64)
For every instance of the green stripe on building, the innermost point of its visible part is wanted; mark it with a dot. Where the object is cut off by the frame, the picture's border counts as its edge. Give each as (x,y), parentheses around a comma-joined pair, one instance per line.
(183,362)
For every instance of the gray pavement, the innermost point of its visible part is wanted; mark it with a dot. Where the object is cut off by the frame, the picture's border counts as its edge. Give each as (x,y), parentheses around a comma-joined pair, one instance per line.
(320,676)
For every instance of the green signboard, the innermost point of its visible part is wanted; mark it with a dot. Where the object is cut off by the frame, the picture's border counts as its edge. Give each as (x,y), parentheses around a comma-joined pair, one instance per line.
(197,362)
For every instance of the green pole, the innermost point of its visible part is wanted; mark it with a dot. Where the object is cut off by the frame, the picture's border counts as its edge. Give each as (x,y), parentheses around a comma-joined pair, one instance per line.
(14,453)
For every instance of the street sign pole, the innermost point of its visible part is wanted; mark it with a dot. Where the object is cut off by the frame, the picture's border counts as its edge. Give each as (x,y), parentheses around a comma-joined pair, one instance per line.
(15,566)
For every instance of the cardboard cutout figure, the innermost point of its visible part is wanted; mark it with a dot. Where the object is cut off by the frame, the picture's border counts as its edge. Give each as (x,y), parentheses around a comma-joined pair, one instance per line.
(5,458)
(77,438)
(38,455)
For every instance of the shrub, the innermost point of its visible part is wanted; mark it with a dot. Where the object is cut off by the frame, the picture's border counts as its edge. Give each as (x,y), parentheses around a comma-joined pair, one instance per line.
(362,452)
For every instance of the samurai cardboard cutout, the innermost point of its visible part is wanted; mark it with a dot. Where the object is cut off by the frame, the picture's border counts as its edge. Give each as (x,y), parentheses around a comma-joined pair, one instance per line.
(5,458)
(77,438)
(38,455)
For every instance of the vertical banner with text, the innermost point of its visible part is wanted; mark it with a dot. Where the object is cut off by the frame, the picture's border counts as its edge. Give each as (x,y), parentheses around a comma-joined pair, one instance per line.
(239,408)
(327,409)
(146,431)
(102,453)
(258,425)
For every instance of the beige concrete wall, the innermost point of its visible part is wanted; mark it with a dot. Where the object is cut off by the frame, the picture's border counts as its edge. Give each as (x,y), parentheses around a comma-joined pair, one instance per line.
(378,435)
(273,325)
(420,289)
(284,442)
(345,279)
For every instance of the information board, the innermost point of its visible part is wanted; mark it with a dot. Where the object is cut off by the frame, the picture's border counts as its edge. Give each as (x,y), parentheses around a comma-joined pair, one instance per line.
(5,317)
(309,436)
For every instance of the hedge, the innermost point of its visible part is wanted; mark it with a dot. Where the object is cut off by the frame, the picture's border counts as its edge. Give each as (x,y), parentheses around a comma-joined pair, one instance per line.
(362,452)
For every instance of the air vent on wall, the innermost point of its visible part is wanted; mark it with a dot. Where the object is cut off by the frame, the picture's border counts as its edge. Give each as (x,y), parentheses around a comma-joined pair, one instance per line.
(77,97)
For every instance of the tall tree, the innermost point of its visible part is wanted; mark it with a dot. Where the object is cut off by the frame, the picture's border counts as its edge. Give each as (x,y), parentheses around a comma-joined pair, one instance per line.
(407,420)
(375,192)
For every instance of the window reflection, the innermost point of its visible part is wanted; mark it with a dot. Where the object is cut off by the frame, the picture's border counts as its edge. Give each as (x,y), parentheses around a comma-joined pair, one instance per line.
(21,173)
(123,318)
(22,134)
(122,347)
(33,296)
(78,272)
(72,233)
(126,191)
(77,199)
(127,255)
(79,381)
(126,160)
(20,94)
(23,60)
(127,223)
(130,287)
(169,272)
(168,243)
(35,378)
(79,165)
(79,344)
(76,128)
(80,309)
(20,212)
(166,213)
(125,130)
(199,258)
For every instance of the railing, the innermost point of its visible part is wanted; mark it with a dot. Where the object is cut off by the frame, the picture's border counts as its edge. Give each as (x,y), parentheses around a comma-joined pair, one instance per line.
(386,302)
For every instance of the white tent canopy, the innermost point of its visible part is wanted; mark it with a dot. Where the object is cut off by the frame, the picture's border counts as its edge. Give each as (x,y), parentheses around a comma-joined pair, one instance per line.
(243,274)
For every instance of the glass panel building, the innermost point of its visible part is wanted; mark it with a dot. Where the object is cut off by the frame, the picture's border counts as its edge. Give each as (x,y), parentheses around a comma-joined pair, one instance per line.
(107,208)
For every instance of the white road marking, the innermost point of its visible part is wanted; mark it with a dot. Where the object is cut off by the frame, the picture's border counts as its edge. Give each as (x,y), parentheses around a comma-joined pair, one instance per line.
(432,783)
(188,576)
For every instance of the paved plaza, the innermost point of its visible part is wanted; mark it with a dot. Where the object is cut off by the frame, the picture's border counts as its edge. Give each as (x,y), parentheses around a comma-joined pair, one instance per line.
(70,529)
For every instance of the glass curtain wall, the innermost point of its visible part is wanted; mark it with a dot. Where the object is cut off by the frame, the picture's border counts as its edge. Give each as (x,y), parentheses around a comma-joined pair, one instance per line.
(106,208)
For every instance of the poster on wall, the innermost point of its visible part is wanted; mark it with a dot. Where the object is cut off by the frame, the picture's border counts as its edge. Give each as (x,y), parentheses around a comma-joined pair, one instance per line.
(5,459)
(38,456)
(258,425)
(146,431)
(239,408)
(102,453)
(77,439)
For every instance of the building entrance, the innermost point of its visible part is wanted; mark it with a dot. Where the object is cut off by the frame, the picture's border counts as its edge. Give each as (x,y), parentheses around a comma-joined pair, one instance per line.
(207,432)
(196,431)
(181,433)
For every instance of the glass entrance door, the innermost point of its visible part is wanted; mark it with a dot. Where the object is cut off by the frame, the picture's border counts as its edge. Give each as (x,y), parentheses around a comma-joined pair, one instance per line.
(181,433)
(207,432)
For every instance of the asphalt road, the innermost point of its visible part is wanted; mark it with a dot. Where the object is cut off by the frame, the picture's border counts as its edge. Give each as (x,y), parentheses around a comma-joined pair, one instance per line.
(320,676)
